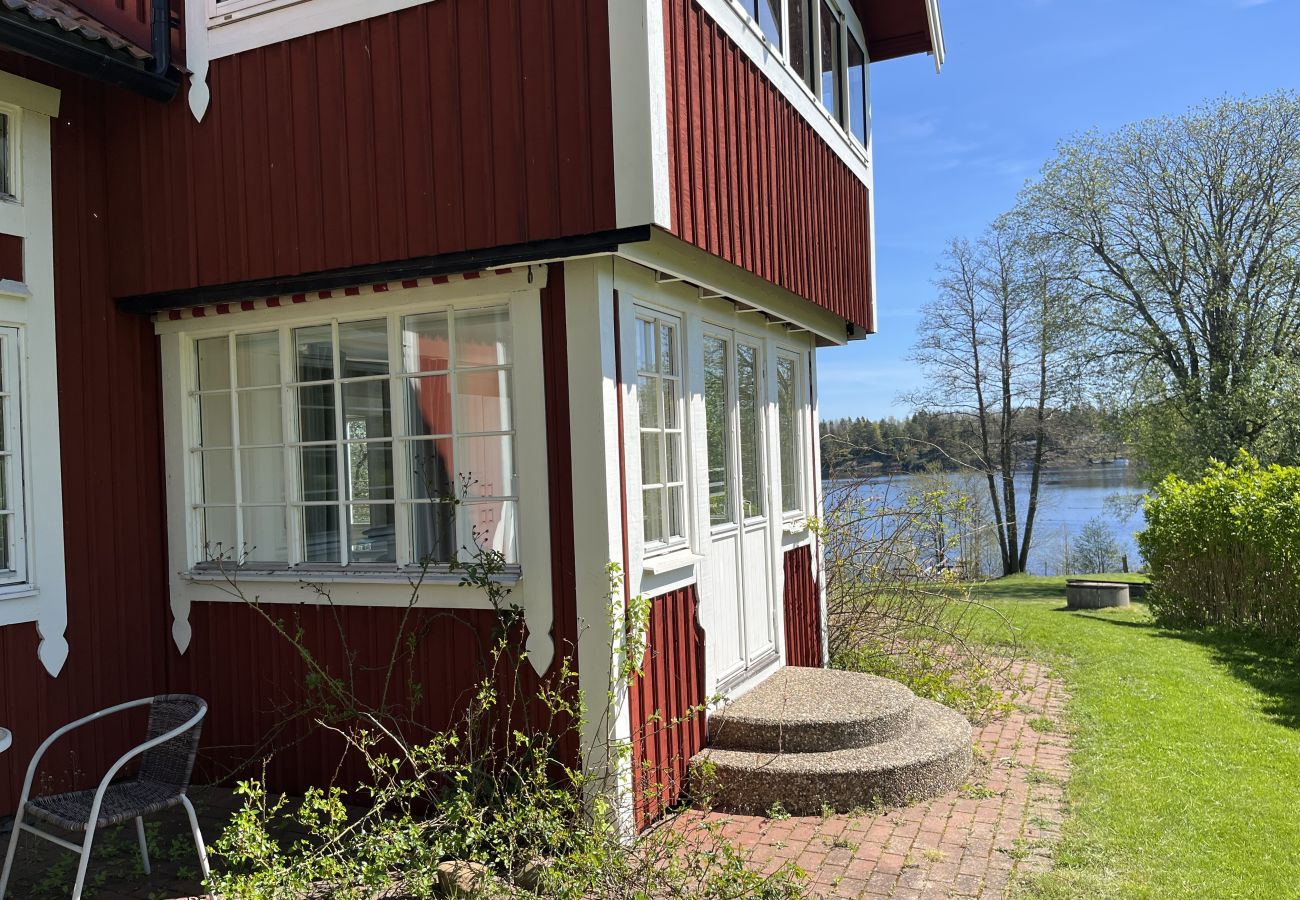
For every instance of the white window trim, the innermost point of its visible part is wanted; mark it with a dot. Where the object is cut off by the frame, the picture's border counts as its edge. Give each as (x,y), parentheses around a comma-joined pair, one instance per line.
(745,33)
(29,307)
(796,520)
(391,587)
(678,550)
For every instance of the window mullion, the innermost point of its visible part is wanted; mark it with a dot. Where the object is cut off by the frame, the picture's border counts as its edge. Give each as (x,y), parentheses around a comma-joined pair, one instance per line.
(292,481)
(235,453)
(397,411)
(341,450)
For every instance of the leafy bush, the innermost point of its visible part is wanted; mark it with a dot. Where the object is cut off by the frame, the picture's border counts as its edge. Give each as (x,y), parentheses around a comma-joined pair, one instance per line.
(1225,550)
(494,791)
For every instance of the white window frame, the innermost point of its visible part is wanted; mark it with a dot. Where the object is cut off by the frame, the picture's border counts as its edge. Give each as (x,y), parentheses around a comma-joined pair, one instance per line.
(389,586)
(775,63)
(14,459)
(799,364)
(27,313)
(670,545)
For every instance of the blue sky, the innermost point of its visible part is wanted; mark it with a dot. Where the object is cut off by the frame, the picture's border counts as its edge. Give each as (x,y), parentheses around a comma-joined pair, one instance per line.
(952,150)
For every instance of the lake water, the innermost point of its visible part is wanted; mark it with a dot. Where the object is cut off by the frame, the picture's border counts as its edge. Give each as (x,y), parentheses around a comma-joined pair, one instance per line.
(1068,500)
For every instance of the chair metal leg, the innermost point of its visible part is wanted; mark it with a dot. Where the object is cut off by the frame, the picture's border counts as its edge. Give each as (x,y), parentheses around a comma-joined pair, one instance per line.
(85,861)
(9,855)
(144,846)
(198,837)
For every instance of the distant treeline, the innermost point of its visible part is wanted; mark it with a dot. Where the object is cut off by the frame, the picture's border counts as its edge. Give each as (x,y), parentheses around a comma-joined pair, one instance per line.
(925,441)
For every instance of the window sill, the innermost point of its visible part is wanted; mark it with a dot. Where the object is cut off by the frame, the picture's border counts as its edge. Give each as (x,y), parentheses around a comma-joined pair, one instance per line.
(408,578)
(670,562)
(795,524)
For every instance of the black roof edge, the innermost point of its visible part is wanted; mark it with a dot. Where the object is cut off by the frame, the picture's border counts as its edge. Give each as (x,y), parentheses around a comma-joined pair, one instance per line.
(94,59)
(400,270)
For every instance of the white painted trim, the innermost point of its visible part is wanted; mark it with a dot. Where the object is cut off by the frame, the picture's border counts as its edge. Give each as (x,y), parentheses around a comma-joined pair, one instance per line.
(532,589)
(639,92)
(30,307)
(935,19)
(209,37)
(738,26)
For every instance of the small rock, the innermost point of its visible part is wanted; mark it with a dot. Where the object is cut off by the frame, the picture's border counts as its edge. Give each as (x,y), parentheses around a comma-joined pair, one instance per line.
(530,876)
(459,878)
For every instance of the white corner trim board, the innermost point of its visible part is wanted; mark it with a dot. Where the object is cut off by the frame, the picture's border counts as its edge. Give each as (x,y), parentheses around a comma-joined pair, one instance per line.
(639,90)
(27,313)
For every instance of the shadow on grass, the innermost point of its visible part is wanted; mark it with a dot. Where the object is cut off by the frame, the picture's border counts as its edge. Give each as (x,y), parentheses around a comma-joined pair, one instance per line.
(1268,665)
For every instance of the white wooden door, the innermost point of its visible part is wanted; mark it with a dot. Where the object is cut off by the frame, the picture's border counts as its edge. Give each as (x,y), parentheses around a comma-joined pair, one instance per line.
(740,605)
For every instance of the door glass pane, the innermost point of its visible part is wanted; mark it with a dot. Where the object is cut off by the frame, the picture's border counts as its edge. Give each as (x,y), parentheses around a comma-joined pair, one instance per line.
(363,348)
(857,91)
(483,338)
(750,408)
(314,347)
(716,363)
(425,343)
(786,411)
(830,60)
(257,359)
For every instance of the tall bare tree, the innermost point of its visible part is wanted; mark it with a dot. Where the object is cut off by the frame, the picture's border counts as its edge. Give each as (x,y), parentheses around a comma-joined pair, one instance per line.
(1185,234)
(994,346)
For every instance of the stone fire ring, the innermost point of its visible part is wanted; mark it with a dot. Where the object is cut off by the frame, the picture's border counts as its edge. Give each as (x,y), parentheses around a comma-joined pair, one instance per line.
(1096,594)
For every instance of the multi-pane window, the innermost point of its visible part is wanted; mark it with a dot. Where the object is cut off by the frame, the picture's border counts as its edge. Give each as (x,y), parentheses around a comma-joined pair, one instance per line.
(856,111)
(787,418)
(830,60)
(13,531)
(767,13)
(384,442)
(659,397)
(7,181)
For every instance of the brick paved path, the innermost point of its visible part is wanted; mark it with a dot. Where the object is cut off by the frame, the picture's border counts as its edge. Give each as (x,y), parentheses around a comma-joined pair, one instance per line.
(971,843)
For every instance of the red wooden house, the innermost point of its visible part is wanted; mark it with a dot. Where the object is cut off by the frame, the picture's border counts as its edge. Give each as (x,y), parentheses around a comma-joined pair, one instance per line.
(284,275)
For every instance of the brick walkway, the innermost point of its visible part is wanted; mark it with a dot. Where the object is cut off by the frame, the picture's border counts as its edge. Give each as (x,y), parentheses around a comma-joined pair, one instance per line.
(971,843)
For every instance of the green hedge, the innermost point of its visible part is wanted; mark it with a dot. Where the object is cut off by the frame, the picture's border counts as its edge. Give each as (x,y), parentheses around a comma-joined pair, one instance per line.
(1225,550)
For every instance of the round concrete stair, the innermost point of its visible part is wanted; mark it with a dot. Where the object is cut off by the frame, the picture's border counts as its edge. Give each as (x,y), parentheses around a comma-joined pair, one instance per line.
(807,739)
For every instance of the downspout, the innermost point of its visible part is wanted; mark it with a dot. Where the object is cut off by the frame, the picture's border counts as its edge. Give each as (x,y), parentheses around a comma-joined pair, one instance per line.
(161,38)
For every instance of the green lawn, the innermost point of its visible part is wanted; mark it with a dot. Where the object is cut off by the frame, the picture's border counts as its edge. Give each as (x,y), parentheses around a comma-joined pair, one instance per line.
(1186,779)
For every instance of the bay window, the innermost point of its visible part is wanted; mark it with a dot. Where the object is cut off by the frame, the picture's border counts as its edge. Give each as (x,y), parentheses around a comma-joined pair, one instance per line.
(374,443)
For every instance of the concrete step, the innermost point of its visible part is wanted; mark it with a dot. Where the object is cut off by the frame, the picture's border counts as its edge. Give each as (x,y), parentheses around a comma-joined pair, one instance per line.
(930,756)
(801,710)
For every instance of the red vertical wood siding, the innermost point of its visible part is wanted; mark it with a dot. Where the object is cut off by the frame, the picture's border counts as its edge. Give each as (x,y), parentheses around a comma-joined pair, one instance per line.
(750,179)
(803,618)
(667,726)
(109,399)
(441,128)
(11,257)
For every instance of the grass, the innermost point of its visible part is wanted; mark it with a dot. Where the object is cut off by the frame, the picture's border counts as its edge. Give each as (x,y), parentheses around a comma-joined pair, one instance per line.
(1186,778)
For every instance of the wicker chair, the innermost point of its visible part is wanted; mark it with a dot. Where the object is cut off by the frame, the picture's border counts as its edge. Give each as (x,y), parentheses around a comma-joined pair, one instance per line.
(166,761)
